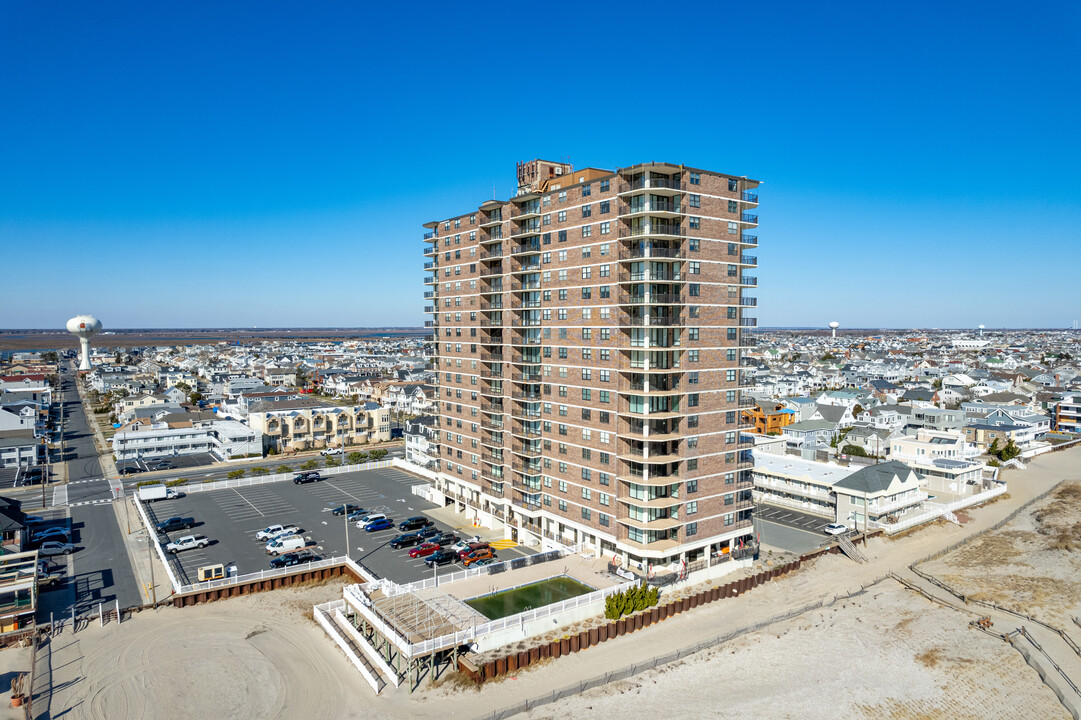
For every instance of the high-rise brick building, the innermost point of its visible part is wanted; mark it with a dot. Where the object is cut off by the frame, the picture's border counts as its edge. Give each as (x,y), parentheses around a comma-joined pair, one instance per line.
(588,343)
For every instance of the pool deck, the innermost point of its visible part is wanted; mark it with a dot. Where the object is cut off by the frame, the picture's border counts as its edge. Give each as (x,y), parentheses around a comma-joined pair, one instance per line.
(592,572)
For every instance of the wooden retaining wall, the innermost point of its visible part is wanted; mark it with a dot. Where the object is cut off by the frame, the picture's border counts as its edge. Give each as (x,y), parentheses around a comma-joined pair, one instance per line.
(623,626)
(254,586)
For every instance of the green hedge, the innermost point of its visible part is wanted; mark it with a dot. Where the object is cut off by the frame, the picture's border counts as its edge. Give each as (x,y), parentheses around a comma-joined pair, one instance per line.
(630,601)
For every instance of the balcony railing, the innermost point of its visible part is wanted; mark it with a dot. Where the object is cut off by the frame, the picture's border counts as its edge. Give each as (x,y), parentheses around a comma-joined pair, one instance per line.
(748,301)
(522,286)
(749,218)
(640,252)
(748,322)
(649,276)
(651,299)
(653,229)
(653,207)
(748,280)
(528,248)
(748,259)
(749,196)
(429,236)
(749,239)
(429,294)
(651,183)
(651,321)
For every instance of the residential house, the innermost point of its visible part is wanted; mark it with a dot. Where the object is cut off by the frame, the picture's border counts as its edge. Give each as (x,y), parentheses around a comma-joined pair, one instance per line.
(769,419)
(878,494)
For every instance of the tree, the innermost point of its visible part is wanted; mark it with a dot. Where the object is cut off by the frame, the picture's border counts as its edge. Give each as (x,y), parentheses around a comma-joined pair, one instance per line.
(355,458)
(937,383)
(994,449)
(183,386)
(1010,451)
(195,397)
(857,410)
(853,450)
(378,454)
(310,465)
(333,461)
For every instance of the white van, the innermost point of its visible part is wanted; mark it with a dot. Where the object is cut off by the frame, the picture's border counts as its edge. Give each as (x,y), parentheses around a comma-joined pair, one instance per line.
(369,518)
(284,544)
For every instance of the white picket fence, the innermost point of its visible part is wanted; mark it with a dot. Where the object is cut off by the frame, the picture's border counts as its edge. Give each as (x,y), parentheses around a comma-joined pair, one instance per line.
(152,537)
(281,572)
(362,604)
(940,509)
(279,477)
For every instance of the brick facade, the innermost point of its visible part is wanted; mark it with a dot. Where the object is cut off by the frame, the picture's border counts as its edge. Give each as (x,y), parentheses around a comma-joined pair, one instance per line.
(588,338)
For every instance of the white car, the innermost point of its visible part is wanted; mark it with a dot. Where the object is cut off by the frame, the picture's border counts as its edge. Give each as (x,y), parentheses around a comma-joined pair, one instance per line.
(332,451)
(369,518)
(273,531)
(55,547)
(188,542)
(835,529)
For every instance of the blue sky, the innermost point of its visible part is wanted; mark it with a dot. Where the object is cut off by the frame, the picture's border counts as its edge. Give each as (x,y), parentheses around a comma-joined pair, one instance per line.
(272,164)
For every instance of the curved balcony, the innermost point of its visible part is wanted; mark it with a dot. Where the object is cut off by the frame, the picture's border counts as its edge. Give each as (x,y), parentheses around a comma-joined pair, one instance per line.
(656,186)
(638,252)
(654,230)
(491,220)
(655,208)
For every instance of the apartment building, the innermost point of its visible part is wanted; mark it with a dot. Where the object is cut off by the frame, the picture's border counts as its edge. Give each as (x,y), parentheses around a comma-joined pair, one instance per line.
(588,347)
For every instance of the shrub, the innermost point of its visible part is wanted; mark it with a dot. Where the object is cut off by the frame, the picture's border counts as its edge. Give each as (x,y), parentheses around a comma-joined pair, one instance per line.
(178,481)
(377,454)
(355,458)
(283,469)
(259,471)
(333,461)
(236,474)
(146,482)
(854,450)
(310,465)
(630,601)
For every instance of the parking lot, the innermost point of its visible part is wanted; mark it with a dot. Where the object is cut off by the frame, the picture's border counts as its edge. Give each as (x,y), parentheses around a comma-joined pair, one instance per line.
(178,462)
(230,518)
(789,529)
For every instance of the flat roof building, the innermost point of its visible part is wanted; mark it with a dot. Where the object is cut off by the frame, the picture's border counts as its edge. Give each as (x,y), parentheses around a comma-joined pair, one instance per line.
(588,346)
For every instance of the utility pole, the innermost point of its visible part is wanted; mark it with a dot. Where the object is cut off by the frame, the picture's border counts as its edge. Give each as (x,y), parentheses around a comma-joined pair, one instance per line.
(345,514)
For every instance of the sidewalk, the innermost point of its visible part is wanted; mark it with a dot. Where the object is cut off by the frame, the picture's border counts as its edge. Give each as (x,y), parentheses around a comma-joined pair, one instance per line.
(105,458)
(141,554)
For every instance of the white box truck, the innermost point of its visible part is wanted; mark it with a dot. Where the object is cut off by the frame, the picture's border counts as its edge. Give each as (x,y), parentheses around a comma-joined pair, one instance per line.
(157,491)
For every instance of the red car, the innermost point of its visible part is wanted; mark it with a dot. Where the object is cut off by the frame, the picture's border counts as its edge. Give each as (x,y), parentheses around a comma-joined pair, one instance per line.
(423,550)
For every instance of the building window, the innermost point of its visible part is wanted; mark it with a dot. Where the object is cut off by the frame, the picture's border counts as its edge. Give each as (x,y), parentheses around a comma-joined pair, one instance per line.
(562,216)
(694,223)
(692,486)
(695,178)
(587,211)
(585,513)
(692,529)
(605,228)
(605,207)
(694,289)
(694,267)
(732,185)
(694,200)
(562,236)
(692,507)
(562,196)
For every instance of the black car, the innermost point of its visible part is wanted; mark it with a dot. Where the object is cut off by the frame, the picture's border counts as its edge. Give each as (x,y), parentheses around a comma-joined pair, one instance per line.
(440,557)
(414,523)
(346,509)
(429,532)
(129,470)
(176,523)
(405,540)
(293,558)
(444,539)
(160,465)
(307,477)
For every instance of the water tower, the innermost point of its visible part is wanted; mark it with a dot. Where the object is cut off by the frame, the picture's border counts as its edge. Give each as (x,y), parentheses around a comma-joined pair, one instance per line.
(981,329)
(82,327)
(833,327)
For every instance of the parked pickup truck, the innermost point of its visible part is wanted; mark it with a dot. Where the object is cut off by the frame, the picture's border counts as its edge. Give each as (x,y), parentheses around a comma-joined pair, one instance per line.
(176,523)
(188,542)
(273,531)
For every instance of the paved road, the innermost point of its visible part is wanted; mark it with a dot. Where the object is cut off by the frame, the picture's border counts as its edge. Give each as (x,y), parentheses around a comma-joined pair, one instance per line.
(102,571)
